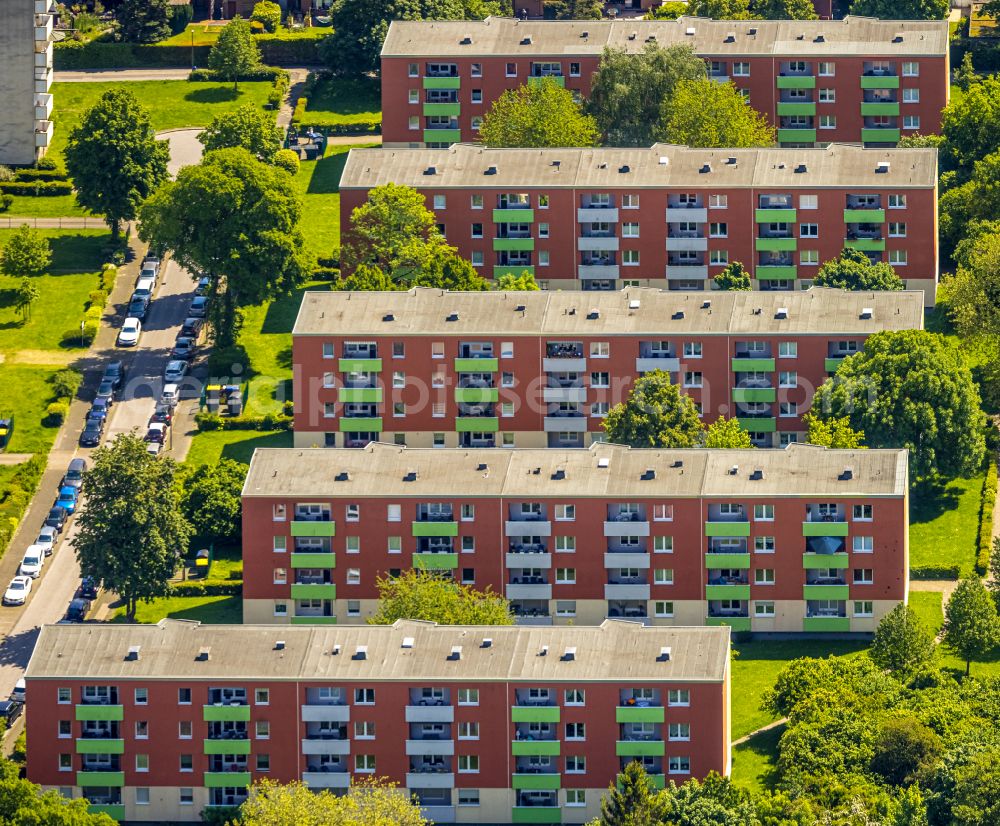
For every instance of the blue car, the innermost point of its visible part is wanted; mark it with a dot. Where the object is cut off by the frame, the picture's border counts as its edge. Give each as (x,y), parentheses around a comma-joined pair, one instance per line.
(67,498)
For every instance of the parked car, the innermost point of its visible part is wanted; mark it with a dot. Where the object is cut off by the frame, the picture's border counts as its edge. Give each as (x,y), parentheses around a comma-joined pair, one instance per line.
(163,413)
(144,288)
(74,472)
(203,284)
(106,390)
(31,563)
(18,590)
(137,308)
(91,435)
(18,695)
(87,589)
(149,271)
(128,335)
(175,370)
(68,497)
(78,610)
(34,549)
(47,539)
(192,327)
(152,261)
(99,409)
(153,448)
(183,348)
(157,432)
(115,370)
(170,395)
(10,711)
(56,518)
(199,306)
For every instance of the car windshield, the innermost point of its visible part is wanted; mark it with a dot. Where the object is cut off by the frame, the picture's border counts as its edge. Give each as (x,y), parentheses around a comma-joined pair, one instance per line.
(17,585)
(31,560)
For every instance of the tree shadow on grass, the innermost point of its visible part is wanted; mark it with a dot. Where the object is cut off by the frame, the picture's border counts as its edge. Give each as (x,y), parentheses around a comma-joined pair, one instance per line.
(761,748)
(930,499)
(213,94)
(281,313)
(791,649)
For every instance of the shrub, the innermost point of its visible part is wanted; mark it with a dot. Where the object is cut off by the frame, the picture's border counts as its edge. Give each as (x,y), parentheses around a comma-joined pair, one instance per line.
(97,298)
(90,330)
(196,588)
(261,73)
(66,383)
(35,174)
(47,163)
(212,421)
(37,188)
(5,202)
(6,173)
(988,503)
(55,413)
(256,27)
(179,17)
(935,572)
(288,160)
(268,14)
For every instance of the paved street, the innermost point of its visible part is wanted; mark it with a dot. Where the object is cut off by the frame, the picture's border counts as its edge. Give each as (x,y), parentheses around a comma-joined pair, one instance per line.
(118,75)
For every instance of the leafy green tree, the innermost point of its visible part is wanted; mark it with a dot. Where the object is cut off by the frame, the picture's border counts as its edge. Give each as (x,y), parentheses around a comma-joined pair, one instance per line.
(235,220)
(714,800)
(784,9)
(970,124)
(235,52)
(726,433)
(25,804)
(368,278)
(918,141)
(706,113)
(374,802)
(910,389)
(26,295)
(853,270)
(901,9)
(733,278)
(974,291)
(525,282)
(211,500)
(993,583)
(287,159)
(420,595)
(971,626)
(628,91)
(976,798)
(965,74)
(131,528)
(143,21)
(905,751)
(26,253)
(902,643)
(114,159)
(268,14)
(481,9)
(721,9)
(668,10)
(66,383)
(575,9)
(445,269)
(538,114)
(631,799)
(655,414)
(246,126)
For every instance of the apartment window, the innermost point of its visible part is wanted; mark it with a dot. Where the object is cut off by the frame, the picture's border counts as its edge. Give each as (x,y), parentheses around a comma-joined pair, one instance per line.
(718,258)
(543,201)
(263,762)
(506,349)
(600,379)
(911,95)
(826,69)
(679,731)
(809,257)
(663,609)
(565,576)
(630,201)
(468,797)
(788,378)
(543,230)
(897,202)
(863,544)
(566,608)
(511,70)
(763,609)
(352,513)
(440,202)
(364,763)
(468,731)
(718,230)
(142,796)
(280,576)
(353,608)
(630,258)
(763,544)
(477,230)
(413,123)
(142,762)
(679,697)
(184,730)
(576,731)
(576,764)
(679,765)
(261,696)
(864,608)
(897,258)
(574,697)
(741,68)
(506,379)
(808,230)
(476,70)
(186,762)
(718,201)
(911,68)
(141,696)
(543,258)
(630,229)
(863,513)
(438,439)
(468,696)
(897,229)
(65,728)
(788,410)
(353,574)
(437,349)
(763,513)
(565,544)
(763,576)
(394,513)
(262,729)
(827,95)
(64,696)
(394,544)
(329,410)
(911,121)
(663,544)
(468,764)
(507,409)
(864,576)
(565,513)
(278,513)
(279,546)
(788,349)
(692,379)
(663,576)
(364,696)
(412,70)
(364,730)
(414,96)
(399,409)
(599,409)
(281,609)
(65,762)
(599,349)
(576,797)
(692,349)
(477,202)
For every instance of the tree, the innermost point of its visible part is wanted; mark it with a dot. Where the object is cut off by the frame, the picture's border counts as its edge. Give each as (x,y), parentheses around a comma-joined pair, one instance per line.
(853,270)
(734,278)
(784,9)
(901,9)
(24,803)
(246,126)
(575,9)
(902,643)
(720,9)
(26,253)
(726,433)
(268,14)
(910,389)
(114,159)
(235,220)
(131,528)
(368,278)
(970,124)
(420,595)
(976,799)
(714,800)
(993,582)
(211,500)
(445,269)
(538,114)
(235,52)
(143,21)
(369,802)
(905,751)
(971,626)
(27,294)
(706,113)
(971,207)
(835,433)
(655,414)
(628,91)
(965,74)
(631,800)
(669,10)
(974,291)
(525,282)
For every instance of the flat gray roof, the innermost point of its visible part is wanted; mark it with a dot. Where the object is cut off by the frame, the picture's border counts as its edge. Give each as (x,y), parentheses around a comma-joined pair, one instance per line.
(422,311)
(661,166)
(615,651)
(601,471)
(506,37)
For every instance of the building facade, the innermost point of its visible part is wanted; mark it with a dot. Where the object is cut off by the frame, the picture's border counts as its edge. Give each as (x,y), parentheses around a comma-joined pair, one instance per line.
(788,541)
(668,216)
(432,368)
(480,724)
(855,80)
(25,78)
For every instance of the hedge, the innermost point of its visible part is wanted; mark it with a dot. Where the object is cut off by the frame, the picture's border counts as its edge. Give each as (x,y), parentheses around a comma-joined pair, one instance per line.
(988,502)
(936,572)
(34,174)
(15,496)
(206,589)
(213,421)
(37,188)
(270,74)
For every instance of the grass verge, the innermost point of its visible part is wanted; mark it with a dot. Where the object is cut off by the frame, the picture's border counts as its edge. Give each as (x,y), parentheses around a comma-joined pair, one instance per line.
(944,523)
(58,206)
(754,761)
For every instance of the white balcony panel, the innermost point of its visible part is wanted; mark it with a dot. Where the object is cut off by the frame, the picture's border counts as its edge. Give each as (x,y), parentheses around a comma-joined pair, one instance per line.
(430,714)
(524,527)
(697,215)
(589,272)
(43,133)
(433,748)
(591,215)
(43,107)
(529,561)
(439,814)
(565,424)
(44,6)
(626,560)
(338,747)
(622,592)
(564,394)
(529,591)
(687,271)
(325,714)
(43,59)
(645,365)
(327,780)
(626,529)
(687,244)
(533,620)
(570,365)
(600,244)
(430,780)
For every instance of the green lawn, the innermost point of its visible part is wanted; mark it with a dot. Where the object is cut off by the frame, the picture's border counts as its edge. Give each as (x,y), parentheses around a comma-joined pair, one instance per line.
(58,206)
(212,610)
(25,392)
(753,761)
(927,605)
(944,523)
(239,445)
(335,101)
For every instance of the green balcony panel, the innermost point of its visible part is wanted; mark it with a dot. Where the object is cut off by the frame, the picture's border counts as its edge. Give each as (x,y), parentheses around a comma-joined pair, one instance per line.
(766,424)
(484,365)
(727,592)
(360,365)
(774,216)
(880,108)
(116,811)
(537,781)
(776,244)
(831,365)
(319,590)
(864,216)
(639,748)
(442,136)
(518,244)
(476,424)
(536,814)
(639,714)
(513,215)
(812,561)
(559,80)
(314,620)
(754,394)
(753,365)
(796,82)
(442,82)
(226,714)
(301,527)
(535,748)
(824,529)
(534,714)
(841,624)
(220,780)
(736,623)
(727,529)
(227,747)
(870,244)
(766,272)
(880,82)
(473,395)
(99,745)
(314,560)
(796,136)
(361,425)
(880,135)
(100,779)
(435,561)
(86,713)
(733,560)
(435,528)
(657,781)
(360,395)
(512,269)
(451,110)
(826,592)
(796,108)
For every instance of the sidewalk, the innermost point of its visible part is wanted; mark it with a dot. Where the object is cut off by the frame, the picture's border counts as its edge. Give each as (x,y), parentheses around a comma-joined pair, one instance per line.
(13,222)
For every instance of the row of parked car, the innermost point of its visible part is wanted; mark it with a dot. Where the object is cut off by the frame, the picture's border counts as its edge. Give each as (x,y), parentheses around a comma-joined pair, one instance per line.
(142,297)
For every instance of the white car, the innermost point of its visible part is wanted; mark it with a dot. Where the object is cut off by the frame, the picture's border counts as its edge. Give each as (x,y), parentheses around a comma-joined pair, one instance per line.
(47,539)
(18,590)
(175,370)
(170,395)
(128,336)
(32,563)
(153,448)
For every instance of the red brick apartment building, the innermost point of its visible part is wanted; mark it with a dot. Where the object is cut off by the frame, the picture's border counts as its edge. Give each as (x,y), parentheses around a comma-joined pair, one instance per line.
(856,79)
(668,216)
(803,539)
(155,723)
(432,368)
